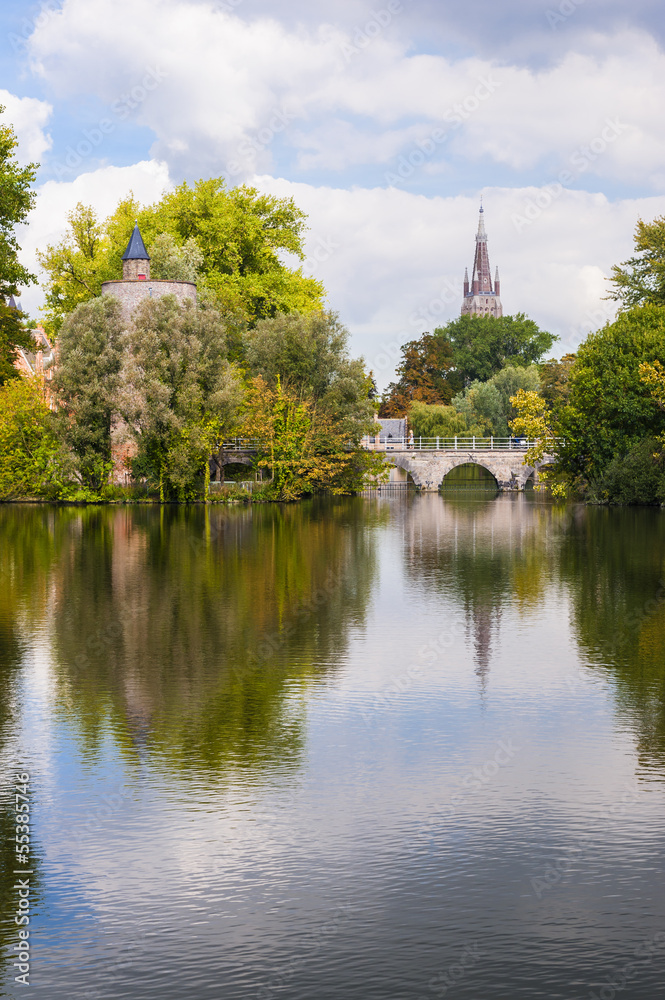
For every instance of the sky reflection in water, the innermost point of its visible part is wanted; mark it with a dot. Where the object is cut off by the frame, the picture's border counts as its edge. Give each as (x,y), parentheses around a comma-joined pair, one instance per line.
(389,748)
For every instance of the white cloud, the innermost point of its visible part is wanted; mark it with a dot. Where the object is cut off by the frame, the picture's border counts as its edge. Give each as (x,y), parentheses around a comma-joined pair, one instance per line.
(102,189)
(216,89)
(393,262)
(28,117)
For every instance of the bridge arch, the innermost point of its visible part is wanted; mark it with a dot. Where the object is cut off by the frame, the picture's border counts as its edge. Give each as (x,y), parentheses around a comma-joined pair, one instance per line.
(428,470)
(483,480)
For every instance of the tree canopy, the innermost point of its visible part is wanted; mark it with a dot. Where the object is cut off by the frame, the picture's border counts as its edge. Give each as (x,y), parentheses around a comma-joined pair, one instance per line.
(488,404)
(483,345)
(16,200)
(13,334)
(470,349)
(423,375)
(641,278)
(610,408)
(90,350)
(309,356)
(234,240)
(180,396)
(33,462)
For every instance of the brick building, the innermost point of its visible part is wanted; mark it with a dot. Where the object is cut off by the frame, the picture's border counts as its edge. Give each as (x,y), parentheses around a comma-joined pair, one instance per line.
(40,361)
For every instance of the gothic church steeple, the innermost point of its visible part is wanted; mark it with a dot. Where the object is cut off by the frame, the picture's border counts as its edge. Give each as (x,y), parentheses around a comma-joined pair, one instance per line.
(482,298)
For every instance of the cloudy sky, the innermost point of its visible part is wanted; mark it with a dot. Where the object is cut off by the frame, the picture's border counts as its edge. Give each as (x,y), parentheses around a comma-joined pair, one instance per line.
(386,121)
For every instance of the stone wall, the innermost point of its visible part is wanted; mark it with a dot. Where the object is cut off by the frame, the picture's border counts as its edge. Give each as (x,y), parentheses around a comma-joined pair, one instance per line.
(131,293)
(132,268)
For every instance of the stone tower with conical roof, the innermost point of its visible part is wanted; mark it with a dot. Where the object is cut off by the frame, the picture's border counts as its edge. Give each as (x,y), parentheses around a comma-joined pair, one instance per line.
(137,285)
(481,294)
(135,259)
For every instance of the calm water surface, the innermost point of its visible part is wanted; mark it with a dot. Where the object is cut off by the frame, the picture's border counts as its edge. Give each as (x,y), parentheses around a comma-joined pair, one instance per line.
(370,749)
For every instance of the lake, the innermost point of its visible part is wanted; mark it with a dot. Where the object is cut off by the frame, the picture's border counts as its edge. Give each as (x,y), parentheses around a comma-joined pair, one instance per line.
(391,747)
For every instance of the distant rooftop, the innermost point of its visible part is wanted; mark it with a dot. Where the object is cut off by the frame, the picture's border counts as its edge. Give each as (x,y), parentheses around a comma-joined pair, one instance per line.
(136,247)
(393,429)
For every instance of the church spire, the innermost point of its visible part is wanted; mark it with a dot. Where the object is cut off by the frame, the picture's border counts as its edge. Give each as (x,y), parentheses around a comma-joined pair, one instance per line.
(481,295)
(481,279)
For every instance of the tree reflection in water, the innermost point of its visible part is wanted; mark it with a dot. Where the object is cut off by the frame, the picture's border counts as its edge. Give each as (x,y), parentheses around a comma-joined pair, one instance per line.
(513,550)
(182,630)
(613,561)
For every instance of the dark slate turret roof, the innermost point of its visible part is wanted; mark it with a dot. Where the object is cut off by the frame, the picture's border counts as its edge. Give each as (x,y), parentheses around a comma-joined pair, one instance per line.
(136,247)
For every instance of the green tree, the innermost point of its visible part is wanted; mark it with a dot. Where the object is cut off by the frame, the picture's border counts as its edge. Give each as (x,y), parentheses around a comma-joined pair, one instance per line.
(653,376)
(241,234)
(555,380)
(179,396)
(309,356)
(86,383)
(305,447)
(488,404)
(641,278)
(13,334)
(483,345)
(33,463)
(610,408)
(16,200)
(634,477)
(426,420)
(423,375)
(169,262)
(76,267)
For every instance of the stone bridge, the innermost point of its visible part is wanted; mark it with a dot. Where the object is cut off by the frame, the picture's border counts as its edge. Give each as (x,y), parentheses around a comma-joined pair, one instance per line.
(428,468)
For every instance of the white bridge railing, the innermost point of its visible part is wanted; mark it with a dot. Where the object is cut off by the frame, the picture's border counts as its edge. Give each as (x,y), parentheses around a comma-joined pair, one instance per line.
(451,443)
(376,443)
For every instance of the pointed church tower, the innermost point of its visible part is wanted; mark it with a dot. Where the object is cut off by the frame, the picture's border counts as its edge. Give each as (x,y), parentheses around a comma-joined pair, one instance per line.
(482,299)
(135,259)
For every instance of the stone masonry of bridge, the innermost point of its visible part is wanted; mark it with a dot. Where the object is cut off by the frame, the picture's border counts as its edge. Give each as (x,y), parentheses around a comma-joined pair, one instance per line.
(428,469)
